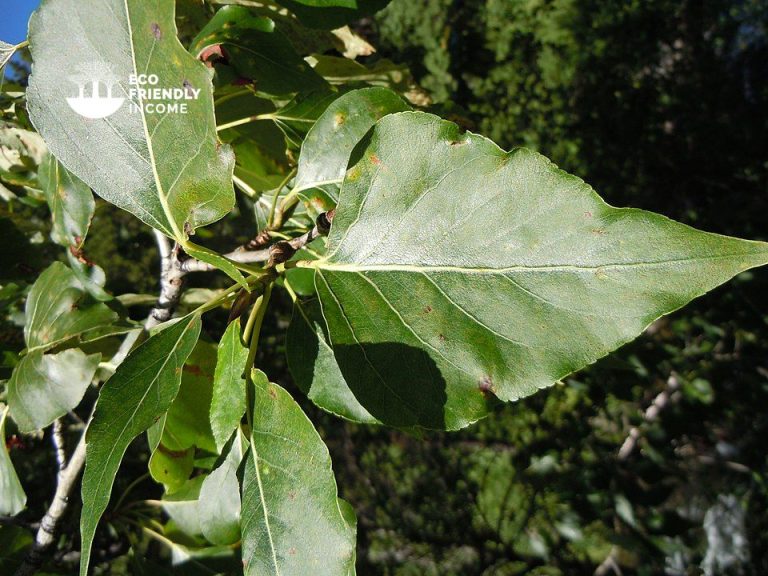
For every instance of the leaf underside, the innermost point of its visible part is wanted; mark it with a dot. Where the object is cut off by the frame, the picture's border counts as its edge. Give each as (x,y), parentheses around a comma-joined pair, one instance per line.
(458,274)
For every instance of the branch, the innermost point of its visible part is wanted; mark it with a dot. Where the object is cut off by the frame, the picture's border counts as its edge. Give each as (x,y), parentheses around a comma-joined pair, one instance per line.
(171,282)
(65,481)
(652,413)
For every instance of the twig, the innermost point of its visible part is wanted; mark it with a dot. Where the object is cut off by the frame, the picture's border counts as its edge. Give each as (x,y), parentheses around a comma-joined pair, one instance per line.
(609,564)
(171,282)
(652,413)
(65,481)
(58,444)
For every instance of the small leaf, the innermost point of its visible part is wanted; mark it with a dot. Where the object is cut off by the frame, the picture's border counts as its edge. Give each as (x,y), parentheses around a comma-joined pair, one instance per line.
(210,257)
(256,50)
(314,368)
(328,145)
(292,523)
(59,308)
(219,502)
(124,156)
(171,466)
(70,201)
(44,387)
(458,274)
(228,401)
(138,394)
(12,497)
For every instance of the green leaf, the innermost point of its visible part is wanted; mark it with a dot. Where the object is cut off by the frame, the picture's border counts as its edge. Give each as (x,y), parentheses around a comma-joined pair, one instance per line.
(59,308)
(328,145)
(124,157)
(292,523)
(331,14)
(12,497)
(139,392)
(44,387)
(256,50)
(219,502)
(298,116)
(314,368)
(228,401)
(215,259)
(70,201)
(171,467)
(458,274)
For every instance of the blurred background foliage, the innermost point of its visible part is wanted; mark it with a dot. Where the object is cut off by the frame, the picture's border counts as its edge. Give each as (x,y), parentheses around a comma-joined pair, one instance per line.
(659,104)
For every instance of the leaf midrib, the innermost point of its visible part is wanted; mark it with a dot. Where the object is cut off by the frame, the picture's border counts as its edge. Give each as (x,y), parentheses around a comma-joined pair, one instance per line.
(415,268)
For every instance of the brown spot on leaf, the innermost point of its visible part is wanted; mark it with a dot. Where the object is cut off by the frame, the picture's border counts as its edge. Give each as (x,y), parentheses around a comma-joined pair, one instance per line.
(213,54)
(486,387)
(339,119)
(598,231)
(292,551)
(272,392)
(588,214)
(172,453)
(156,32)
(441,337)
(427,309)
(292,495)
(375,159)
(192,369)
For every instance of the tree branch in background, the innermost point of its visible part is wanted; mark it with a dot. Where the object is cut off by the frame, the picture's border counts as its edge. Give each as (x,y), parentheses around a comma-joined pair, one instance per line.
(652,413)
(65,482)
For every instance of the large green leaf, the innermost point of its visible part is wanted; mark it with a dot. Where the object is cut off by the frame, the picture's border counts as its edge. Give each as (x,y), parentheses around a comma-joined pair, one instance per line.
(228,401)
(314,367)
(292,523)
(70,201)
(44,387)
(12,497)
(139,392)
(328,145)
(59,308)
(257,51)
(330,14)
(458,274)
(168,169)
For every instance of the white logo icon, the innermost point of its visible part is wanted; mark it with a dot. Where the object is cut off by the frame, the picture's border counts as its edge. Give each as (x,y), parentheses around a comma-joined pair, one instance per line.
(99,103)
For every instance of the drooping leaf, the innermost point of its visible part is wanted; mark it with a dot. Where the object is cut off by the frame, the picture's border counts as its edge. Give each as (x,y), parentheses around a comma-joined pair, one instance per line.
(228,401)
(70,201)
(59,308)
(44,387)
(328,145)
(123,156)
(292,523)
(12,496)
(139,392)
(331,14)
(256,50)
(458,274)
(314,367)
(219,505)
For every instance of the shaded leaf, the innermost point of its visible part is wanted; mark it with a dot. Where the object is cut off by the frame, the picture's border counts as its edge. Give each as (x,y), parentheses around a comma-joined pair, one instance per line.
(458,274)
(70,201)
(314,368)
(123,156)
(6,52)
(12,497)
(139,392)
(219,505)
(292,523)
(44,387)
(256,50)
(228,399)
(59,308)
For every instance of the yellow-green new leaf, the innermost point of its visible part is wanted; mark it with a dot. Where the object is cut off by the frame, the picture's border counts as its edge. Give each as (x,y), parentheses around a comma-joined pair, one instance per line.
(154,154)
(459,274)
(137,395)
